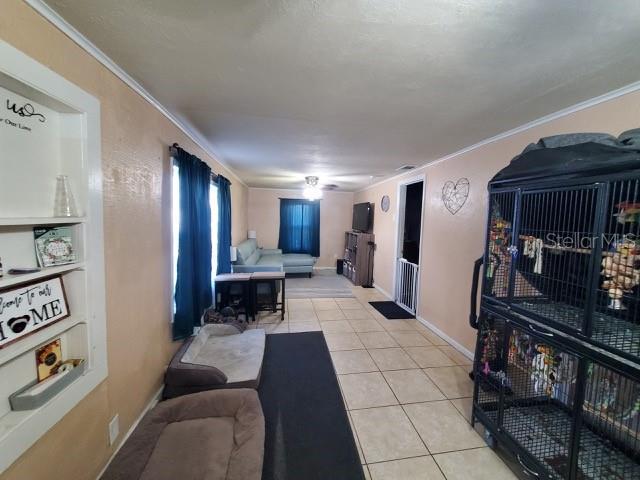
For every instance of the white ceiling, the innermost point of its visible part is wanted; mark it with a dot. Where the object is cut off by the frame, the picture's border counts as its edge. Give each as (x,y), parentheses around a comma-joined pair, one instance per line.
(349,89)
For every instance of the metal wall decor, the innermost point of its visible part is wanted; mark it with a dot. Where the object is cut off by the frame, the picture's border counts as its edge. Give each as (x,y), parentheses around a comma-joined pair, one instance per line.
(455,194)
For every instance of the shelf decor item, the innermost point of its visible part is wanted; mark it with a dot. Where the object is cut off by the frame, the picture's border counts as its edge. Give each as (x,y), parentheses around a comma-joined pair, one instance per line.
(54,246)
(65,205)
(27,308)
(48,359)
(35,394)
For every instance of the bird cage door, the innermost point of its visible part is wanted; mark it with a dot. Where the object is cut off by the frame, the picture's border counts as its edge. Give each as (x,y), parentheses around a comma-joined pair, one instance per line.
(557,241)
(500,249)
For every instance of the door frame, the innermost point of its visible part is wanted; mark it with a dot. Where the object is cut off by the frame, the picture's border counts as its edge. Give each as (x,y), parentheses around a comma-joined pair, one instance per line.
(401,196)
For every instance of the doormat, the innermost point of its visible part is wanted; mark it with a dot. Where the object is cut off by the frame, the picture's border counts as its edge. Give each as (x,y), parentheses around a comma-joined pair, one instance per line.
(307,429)
(391,310)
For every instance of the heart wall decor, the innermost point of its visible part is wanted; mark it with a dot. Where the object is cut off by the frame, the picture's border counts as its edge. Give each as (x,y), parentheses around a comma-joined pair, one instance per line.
(454,195)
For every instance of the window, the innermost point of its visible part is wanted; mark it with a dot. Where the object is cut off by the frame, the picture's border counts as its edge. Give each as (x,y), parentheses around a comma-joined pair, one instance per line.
(299,226)
(175,223)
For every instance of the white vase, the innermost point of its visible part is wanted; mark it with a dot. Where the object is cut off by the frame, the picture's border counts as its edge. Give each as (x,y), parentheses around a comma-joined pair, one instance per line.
(65,205)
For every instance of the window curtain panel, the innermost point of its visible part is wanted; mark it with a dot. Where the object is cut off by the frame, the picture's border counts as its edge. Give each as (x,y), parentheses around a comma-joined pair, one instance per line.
(224,225)
(299,226)
(193,283)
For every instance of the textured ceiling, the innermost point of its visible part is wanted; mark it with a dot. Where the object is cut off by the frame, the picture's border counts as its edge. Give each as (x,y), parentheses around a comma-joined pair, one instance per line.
(349,89)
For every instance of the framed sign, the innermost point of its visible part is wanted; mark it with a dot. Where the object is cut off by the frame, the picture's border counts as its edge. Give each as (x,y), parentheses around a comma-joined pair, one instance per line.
(29,308)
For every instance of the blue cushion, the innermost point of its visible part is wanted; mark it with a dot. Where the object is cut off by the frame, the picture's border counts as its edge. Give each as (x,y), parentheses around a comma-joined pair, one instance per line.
(297,260)
(253,258)
(246,251)
(270,260)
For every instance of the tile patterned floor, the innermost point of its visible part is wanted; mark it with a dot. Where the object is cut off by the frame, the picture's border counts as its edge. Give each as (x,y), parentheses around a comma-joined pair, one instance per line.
(406,389)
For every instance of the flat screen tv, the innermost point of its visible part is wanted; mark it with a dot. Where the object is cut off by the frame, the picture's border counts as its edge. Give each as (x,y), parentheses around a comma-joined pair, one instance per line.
(362,215)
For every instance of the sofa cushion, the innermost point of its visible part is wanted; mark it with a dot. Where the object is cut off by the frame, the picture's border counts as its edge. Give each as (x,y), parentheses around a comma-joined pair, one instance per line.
(238,357)
(275,260)
(245,250)
(253,258)
(297,259)
(205,436)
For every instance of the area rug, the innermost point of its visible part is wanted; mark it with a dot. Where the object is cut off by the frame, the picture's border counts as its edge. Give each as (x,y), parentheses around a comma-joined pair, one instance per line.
(391,310)
(308,435)
(323,284)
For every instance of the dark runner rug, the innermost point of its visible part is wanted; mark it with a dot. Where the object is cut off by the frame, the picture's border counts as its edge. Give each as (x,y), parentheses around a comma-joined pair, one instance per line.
(308,435)
(391,311)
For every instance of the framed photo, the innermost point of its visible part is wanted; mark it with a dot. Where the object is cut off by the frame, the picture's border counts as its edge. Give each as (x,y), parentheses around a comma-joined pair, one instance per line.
(28,308)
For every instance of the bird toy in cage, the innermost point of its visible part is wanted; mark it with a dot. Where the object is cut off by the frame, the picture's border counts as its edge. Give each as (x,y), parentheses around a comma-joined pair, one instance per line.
(544,370)
(488,351)
(620,272)
(499,240)
(628,212)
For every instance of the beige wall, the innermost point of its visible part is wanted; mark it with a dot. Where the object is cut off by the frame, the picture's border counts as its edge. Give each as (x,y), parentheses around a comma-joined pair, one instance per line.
(135,137)
(336,209)
(451,243)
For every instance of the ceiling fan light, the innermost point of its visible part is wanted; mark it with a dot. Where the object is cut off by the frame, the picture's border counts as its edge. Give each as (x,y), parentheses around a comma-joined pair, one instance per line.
(312,193)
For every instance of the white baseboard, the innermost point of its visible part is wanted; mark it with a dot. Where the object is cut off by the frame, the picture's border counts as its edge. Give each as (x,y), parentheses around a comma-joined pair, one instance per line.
(383,291)
(324,268)
(467,353)
(152,403)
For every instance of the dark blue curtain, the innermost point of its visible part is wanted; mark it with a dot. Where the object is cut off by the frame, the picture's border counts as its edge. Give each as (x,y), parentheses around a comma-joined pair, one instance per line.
(193,282)
(224,225)
(299,226)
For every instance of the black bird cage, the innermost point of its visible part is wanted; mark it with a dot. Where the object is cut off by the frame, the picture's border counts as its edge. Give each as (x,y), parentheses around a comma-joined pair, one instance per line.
(557,367)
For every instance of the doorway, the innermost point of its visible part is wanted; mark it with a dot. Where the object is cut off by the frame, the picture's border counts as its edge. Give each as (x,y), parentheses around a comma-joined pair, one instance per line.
(410,207)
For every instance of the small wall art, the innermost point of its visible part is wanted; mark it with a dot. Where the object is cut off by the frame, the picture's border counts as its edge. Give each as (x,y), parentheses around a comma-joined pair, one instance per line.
(455,194)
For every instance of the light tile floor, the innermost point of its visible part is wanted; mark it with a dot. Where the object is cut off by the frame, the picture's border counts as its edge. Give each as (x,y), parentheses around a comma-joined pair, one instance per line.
(407,390)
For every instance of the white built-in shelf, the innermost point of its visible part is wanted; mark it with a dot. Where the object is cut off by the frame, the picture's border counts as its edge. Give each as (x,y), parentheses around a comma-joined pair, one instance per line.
(64,140)
(9,280)
(33,341)
(9,221)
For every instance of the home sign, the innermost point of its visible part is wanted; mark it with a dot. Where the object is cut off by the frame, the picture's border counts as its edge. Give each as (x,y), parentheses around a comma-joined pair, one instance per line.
(28,308)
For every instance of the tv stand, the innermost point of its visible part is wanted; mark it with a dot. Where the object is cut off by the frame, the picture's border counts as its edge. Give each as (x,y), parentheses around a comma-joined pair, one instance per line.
(358,258)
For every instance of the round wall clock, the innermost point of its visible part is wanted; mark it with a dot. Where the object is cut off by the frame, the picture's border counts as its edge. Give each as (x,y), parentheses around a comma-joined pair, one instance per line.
(385,203)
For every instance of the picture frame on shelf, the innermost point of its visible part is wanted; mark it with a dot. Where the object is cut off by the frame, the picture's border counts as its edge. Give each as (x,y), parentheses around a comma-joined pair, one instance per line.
(27,308)
(54,245)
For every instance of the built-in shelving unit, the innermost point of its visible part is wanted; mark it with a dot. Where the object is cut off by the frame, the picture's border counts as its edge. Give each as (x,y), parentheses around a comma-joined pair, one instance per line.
(61,138)
(9,221)
(8,280)
(358,257)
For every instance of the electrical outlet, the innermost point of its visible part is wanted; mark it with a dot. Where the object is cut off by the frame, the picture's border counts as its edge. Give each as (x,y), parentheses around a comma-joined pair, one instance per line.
(114,429)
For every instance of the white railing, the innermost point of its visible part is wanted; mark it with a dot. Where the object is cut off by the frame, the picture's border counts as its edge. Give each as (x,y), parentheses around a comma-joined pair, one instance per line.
(406,284)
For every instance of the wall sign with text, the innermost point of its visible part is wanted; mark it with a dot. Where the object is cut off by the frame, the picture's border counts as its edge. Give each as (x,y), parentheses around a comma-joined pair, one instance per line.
(21,115)
(28,308)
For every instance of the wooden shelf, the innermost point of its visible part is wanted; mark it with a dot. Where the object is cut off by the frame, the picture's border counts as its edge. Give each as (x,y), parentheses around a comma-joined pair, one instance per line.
(9,280)
(9,221)
(31,342)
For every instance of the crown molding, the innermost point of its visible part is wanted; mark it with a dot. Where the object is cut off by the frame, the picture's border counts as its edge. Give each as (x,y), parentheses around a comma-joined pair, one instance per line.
(299,190)
(632,87)
(83,42)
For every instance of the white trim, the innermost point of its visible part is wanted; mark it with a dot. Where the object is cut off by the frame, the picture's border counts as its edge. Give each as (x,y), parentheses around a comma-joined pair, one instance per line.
(83,42)
(152,403)
(298,189)
(462,349)
(467,353)
(324,268)
(401,203)
(632,87)
(383,291)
